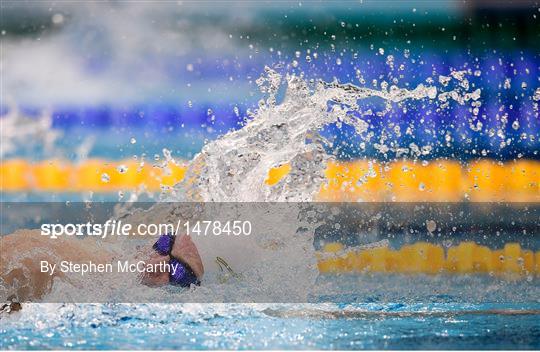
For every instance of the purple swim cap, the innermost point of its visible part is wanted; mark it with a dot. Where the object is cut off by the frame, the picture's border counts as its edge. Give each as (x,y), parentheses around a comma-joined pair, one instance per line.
(183,275)
(164,244)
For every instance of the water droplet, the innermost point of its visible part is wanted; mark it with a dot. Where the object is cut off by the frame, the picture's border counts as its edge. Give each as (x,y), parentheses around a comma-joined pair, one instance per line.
(122,169)
(407,53)
(431,225)
(58,18)
(105,178)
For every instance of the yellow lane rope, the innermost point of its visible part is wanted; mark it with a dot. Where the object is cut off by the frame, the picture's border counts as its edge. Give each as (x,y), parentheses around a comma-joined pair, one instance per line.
(428,258)
(91,175)
(361,180)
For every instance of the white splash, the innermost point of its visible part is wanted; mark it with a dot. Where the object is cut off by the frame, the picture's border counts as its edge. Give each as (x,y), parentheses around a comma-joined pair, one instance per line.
(19,132)
(234,167)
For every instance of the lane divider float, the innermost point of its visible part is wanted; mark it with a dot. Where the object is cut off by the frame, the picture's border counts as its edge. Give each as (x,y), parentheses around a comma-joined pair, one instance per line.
(360,180)
(428,258)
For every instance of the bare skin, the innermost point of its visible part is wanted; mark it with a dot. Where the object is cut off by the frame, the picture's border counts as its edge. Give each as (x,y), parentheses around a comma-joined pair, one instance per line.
(22,252)
(183,249)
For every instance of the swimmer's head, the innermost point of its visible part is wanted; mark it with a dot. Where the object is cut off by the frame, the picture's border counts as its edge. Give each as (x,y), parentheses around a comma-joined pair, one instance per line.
(185,265)
(185,250)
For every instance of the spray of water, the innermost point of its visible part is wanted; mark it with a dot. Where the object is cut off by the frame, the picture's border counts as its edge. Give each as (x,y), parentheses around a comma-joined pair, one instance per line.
(24,133)
(234,167)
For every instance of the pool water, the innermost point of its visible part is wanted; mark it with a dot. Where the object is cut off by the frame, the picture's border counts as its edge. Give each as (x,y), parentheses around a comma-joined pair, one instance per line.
(242,326)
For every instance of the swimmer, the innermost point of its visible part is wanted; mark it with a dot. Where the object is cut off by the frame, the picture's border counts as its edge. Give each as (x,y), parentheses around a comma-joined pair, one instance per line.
(214,258)
(22,252)
(199,259)
(180,253)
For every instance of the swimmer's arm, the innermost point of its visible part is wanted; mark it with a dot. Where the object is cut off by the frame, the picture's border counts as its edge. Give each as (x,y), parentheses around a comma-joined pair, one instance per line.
(23,251)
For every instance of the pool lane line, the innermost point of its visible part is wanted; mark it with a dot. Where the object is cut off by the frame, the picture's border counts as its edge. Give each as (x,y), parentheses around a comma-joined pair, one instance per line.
(365,314)
(359,180)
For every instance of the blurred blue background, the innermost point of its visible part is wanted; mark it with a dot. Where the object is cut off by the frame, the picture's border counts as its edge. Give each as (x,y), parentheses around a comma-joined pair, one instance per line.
(173,74)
